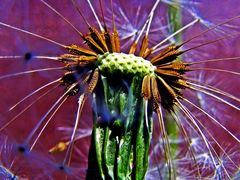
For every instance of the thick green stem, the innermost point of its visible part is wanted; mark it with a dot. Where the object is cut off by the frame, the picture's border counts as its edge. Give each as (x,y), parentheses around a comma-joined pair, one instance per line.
(120,138)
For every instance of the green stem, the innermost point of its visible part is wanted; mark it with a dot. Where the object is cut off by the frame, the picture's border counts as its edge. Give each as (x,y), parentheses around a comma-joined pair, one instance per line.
(120,138)
(175,20)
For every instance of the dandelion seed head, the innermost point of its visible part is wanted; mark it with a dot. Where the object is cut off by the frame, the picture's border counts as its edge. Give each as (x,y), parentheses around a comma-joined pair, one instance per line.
(196,146)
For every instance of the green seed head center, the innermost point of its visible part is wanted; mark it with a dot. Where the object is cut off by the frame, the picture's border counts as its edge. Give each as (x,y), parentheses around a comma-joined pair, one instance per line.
(124,64)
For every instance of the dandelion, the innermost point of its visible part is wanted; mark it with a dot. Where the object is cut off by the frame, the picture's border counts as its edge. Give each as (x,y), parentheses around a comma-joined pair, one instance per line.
(120,90)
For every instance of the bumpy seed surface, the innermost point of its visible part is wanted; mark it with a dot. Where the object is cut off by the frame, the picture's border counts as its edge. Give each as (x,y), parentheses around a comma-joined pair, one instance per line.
(124,64)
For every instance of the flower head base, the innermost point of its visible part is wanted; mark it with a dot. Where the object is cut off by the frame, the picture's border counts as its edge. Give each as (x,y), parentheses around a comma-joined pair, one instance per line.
(122,64)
